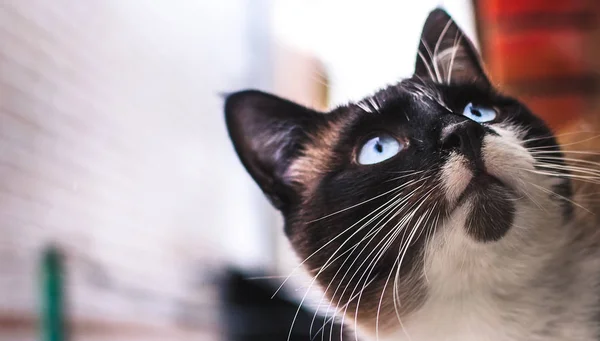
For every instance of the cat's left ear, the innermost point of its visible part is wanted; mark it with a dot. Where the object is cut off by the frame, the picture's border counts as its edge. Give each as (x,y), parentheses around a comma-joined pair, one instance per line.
(446,55)
(269,133)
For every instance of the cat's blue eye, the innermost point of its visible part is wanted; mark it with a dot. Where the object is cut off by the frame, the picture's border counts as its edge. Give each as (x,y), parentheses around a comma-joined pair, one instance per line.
(378,149)
(479,114)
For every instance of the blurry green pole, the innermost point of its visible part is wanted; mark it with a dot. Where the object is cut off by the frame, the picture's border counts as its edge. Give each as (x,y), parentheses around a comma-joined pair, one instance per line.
(52,314)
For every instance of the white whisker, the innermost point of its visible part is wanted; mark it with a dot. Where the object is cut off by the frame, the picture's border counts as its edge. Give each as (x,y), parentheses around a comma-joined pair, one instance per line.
(397,211)
(323,267)
(382,210)
(431,58)
(567,144)
(455,48)
(558,135)
(560,196)
(582,152)
(435,51)
(426,65)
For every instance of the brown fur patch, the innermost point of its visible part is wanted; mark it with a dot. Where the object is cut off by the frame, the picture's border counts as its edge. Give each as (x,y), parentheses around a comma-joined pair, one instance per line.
(581,141)
(317,157)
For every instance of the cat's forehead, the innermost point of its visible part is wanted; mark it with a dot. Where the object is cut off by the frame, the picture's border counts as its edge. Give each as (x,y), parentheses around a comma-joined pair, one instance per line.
(408,94)
(416,96)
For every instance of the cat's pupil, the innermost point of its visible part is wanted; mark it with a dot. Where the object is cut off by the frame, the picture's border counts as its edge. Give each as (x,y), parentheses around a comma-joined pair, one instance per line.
(379,147)
(476,112)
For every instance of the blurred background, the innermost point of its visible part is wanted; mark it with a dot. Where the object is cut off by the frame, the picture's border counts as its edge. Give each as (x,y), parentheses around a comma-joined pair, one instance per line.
(123,207)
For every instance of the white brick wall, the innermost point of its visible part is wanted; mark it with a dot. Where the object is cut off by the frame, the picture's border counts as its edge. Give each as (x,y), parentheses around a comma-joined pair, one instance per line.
(112,145)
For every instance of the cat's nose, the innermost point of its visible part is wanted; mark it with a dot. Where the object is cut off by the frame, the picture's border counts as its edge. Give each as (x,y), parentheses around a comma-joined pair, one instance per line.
(464,137)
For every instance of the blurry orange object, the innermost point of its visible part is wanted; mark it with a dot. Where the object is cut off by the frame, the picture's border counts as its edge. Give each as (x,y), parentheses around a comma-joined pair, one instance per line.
(539,51)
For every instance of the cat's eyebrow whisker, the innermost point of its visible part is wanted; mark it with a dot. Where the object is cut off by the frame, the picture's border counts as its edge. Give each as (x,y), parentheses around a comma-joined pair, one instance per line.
(422,90)
(374,103)
(364,107)
(370,105)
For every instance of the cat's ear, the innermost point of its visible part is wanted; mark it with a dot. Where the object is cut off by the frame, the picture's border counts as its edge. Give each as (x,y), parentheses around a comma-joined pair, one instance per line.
(268,133)
(446,55)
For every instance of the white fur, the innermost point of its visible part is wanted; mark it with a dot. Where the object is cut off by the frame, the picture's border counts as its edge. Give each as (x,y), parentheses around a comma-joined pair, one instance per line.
(455,177)
(482,291)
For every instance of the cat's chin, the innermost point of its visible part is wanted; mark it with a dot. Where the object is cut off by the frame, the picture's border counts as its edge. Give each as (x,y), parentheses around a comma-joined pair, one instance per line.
(491,205)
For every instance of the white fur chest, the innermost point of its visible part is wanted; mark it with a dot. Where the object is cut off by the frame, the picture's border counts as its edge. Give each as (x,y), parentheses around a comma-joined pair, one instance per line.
(480,293)
(459,306)
(472,319)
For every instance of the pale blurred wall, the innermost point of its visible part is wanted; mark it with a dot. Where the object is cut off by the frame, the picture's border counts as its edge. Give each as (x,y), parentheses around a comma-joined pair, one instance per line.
(364,45)
(113,146)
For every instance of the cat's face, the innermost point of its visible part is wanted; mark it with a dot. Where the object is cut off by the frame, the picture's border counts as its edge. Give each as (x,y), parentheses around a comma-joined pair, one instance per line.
(386,199)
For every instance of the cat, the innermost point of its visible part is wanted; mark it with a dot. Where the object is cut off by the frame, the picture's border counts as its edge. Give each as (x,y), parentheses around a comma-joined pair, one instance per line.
(436,209)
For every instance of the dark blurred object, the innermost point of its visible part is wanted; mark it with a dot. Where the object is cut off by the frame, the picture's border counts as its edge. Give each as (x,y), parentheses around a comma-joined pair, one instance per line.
(544,52)
(252,315)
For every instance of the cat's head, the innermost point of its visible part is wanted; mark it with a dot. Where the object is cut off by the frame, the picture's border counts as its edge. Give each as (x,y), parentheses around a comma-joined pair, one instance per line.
(436,185)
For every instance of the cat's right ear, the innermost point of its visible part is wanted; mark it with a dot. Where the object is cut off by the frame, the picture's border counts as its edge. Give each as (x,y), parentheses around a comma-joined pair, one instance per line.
(268,133)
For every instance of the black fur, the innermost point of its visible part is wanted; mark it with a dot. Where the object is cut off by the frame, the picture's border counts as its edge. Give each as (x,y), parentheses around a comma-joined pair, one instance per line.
(335,225)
